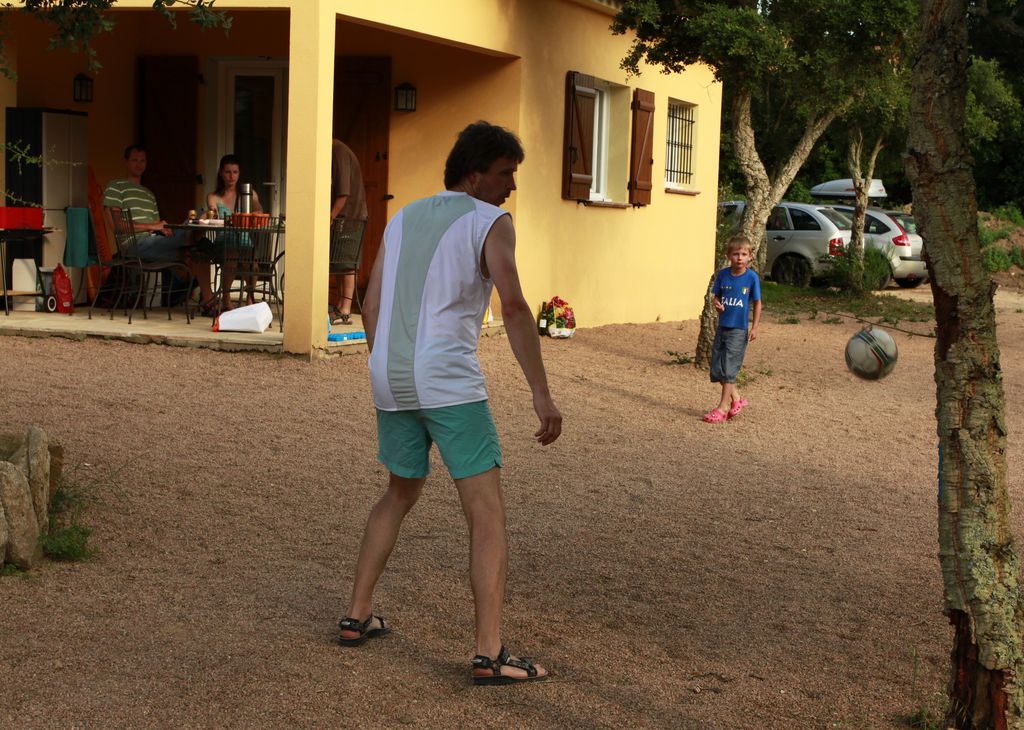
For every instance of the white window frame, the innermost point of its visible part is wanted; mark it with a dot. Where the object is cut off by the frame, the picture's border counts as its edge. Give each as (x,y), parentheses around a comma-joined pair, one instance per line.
(610,153)
(599,180)
(679,161)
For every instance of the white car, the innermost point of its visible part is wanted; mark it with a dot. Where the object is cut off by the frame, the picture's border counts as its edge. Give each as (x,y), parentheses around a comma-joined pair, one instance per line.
(895,234)
(803,238)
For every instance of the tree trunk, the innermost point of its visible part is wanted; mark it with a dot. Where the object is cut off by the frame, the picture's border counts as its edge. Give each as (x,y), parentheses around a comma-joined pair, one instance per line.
(977,553)
(763,194)
(861,187)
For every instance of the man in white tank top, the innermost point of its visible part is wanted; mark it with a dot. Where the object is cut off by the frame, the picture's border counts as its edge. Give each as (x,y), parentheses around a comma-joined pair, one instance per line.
(428,292)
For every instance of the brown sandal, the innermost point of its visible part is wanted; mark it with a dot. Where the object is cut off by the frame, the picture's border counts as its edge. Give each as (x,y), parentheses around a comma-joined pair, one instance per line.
(505,660)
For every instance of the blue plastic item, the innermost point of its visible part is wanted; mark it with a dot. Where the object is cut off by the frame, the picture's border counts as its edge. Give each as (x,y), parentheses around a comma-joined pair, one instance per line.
(342,336)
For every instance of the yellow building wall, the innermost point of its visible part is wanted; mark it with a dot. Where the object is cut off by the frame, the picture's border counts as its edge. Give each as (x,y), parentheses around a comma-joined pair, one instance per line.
(612,264)
(500,60)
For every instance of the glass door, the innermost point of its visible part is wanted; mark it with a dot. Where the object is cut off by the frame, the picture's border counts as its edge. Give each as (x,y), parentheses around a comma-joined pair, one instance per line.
(251,121)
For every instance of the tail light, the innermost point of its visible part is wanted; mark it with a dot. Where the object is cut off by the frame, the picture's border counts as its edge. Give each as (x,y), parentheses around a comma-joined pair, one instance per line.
(901,240)
(836,246)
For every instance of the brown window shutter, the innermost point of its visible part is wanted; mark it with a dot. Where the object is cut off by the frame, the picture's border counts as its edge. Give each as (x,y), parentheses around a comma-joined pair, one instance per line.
(580,99)
(641,161)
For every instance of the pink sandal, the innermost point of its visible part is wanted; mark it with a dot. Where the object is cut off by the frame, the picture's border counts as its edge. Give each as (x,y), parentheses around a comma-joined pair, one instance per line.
(737,406)
(715,416)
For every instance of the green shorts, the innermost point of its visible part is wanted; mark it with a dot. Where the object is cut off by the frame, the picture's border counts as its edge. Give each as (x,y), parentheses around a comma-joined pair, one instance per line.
(465,436)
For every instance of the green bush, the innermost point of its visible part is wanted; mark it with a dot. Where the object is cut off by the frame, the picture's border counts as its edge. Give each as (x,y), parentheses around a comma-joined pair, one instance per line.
(799,193)
(996,259)
(68,543)
(1010,212)
(876,271)
(1017,256)
(67,539)
(988,236)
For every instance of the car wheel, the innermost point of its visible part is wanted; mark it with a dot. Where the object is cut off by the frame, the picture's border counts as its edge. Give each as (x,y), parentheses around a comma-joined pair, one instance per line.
(910,283)
(792,270)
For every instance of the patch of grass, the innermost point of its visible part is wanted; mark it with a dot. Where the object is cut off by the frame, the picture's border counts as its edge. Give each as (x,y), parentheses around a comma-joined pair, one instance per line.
(679,358)
(996,258)
(68,539)
(789,320)
(1010,212)
(988,236)
(926,716)
(785,300)
(745,376)
(926,719)
(833,320)
(68,543)
(12,570)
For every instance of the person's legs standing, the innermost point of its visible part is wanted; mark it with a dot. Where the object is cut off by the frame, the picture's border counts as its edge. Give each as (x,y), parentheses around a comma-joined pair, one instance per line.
(484,507)
(718,367)
(379,537)
(404,448)
(468,442)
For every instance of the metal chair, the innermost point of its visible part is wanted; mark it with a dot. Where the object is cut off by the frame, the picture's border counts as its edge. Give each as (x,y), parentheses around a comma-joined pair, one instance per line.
(126,239)
(347,250)
(252,242)
(113,274)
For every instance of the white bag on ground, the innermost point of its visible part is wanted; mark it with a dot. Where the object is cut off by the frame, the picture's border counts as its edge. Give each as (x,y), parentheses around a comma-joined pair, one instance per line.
(253,318)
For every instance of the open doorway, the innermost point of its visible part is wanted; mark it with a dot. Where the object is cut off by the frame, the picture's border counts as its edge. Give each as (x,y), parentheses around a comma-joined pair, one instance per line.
(249,117)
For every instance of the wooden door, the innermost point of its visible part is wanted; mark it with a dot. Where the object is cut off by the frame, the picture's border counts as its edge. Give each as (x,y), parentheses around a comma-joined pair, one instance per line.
(168,126)
(362,115)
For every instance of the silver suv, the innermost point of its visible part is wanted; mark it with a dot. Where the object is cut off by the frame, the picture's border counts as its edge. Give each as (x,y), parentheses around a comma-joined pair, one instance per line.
(803,238)
(894,234)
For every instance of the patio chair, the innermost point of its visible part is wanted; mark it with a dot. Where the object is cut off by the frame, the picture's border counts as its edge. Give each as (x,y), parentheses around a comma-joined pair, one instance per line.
(113,275)
(126,240)
(253,241)
(347,250)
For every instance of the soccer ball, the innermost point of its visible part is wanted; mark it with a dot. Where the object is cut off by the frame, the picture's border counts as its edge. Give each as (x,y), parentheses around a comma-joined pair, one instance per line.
(871,354)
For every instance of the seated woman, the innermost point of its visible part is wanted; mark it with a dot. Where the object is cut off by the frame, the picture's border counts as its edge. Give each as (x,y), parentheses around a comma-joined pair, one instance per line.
(225,199)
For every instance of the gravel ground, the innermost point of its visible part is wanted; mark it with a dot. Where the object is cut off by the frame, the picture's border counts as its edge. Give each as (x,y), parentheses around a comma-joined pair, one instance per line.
(777,571)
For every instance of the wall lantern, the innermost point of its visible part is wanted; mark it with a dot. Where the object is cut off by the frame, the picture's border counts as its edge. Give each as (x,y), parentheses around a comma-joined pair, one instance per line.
(81,89)
(405,98)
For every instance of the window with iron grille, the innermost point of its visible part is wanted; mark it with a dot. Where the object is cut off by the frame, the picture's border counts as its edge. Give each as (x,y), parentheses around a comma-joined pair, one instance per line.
(679,144)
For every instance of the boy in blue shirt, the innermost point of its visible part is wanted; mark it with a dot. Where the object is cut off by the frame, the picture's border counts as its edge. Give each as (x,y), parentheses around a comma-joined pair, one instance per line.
(733,290)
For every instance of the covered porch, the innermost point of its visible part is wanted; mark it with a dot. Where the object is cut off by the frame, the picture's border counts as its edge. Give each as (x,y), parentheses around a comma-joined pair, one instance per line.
(288,78)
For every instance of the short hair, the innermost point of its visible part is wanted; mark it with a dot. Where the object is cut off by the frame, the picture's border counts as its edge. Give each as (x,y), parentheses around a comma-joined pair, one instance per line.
(476,149)
(738,242)
(133,148)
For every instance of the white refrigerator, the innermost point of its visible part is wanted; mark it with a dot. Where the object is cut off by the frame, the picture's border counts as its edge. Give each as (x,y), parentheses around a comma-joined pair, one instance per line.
(60,139)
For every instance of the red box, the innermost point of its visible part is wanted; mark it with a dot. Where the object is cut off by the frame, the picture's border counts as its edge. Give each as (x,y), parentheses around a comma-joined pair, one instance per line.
(32,218)
(11,217)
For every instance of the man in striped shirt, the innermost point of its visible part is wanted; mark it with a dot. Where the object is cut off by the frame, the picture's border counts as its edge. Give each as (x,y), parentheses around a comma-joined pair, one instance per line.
(154,241)
(428,293)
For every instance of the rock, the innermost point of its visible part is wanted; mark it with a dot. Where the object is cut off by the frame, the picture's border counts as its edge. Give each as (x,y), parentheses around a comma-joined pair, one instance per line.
(3,534)
(9,443)
(38,462)
(23,545)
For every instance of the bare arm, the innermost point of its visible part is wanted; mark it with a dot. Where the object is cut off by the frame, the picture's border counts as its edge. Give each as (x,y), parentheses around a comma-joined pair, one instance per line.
(757,320)
(371,302)
(500,264)
(256,206)
(338,204)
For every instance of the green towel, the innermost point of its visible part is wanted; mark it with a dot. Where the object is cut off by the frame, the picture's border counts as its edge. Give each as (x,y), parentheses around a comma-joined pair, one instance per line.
(80,243)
